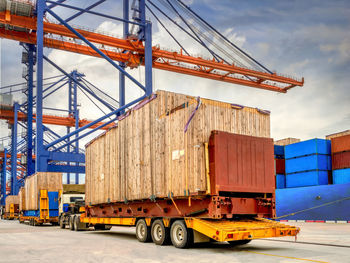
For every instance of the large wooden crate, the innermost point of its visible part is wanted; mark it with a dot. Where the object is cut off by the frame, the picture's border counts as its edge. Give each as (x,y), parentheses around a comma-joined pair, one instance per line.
(149,155)
(11,199)
(286,141)
(21,199)
(40,181)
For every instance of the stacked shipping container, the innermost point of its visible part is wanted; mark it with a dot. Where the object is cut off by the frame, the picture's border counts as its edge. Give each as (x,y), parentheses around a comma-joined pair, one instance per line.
(341,159)
(280,167)
(308,163)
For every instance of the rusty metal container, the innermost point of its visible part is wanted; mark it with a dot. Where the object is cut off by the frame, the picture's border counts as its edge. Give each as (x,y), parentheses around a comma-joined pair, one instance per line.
(241,163)
(341,144)
(341,160)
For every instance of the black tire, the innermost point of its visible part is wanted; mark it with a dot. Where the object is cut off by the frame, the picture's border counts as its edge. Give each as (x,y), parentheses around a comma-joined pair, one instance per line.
(76,223)
(71,223)
(239,242)
(143,232)
(181,236)
(31,221)
(62,224)
(160,234)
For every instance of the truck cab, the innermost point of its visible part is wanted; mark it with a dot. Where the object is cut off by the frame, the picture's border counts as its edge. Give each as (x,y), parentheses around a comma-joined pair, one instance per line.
(69,201)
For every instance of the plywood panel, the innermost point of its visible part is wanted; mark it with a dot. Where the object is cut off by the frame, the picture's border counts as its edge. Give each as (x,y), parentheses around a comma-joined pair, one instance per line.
(51,182)
(11,199)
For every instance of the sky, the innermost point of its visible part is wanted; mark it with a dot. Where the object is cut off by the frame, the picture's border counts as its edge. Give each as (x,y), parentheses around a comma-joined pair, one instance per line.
(309,39)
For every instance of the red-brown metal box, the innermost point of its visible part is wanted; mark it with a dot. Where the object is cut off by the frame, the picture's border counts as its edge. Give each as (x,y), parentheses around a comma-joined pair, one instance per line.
(340,144)
(341,160)
(240,163)
(280,166)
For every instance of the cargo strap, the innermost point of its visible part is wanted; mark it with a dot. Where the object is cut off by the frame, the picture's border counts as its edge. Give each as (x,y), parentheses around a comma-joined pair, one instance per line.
(314,207)
(199,103)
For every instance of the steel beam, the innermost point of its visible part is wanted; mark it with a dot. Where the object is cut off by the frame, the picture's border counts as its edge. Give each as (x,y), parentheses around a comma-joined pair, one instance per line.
(14,150)
(40,152)
(30,161)
(3,178)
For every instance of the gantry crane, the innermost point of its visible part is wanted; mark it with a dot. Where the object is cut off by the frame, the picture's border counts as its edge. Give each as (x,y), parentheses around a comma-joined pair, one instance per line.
(39,26)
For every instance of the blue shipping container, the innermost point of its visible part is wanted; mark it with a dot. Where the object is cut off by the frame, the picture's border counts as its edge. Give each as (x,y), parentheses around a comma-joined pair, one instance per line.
(280,181)
(279,151)
(312,146)
(306,179)
(300,200)
(308,163)
(341,176)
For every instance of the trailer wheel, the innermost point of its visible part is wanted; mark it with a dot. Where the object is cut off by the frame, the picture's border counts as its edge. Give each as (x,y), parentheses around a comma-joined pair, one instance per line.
(62,225)
(143,232)
(160,234)
(239,242)
(181,236)
(71,223)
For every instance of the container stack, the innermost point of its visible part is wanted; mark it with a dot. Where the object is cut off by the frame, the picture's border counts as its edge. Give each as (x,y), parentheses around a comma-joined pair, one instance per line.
(341,159)
(308,163)
(280,167)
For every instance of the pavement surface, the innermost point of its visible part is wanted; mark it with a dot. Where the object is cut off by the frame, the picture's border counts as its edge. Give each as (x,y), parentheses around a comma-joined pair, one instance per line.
(317,242)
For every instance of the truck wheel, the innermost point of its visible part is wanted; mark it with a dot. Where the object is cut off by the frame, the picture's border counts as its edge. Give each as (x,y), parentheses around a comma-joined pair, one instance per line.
(143,232)
(76,223)
(181,236)
(160,234)
(239,242)
(71,223)
(62,225)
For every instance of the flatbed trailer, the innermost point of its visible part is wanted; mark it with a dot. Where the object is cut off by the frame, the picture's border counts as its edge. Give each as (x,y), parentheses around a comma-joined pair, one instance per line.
(186,221)
(47,212)
(185,231)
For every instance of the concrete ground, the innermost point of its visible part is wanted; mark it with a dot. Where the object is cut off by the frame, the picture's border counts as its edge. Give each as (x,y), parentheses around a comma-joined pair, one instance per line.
(317,242)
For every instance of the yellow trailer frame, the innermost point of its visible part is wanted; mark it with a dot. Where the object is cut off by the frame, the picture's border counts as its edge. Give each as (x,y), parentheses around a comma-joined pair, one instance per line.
(11,215)
(219,230)
(44,216)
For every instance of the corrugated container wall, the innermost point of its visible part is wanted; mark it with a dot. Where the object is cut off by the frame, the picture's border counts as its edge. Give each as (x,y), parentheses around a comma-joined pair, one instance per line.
(11,199)
(149,155)
(341,160)
(51,182)
(341,144)
(251,165)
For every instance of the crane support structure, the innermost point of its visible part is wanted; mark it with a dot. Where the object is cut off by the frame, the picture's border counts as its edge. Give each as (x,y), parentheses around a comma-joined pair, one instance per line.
(161,59)
(8,114)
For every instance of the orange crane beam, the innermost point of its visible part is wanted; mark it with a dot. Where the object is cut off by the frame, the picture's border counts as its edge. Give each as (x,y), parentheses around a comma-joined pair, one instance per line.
(51,119)
(162,59)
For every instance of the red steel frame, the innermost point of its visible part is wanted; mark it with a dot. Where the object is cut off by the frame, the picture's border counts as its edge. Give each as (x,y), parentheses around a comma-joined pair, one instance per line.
(213,207)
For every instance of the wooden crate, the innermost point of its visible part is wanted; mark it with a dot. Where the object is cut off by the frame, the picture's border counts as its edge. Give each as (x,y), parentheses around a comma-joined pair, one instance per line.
(149,155)
(21,199)
(11,199)
(40,181)
(286,141)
